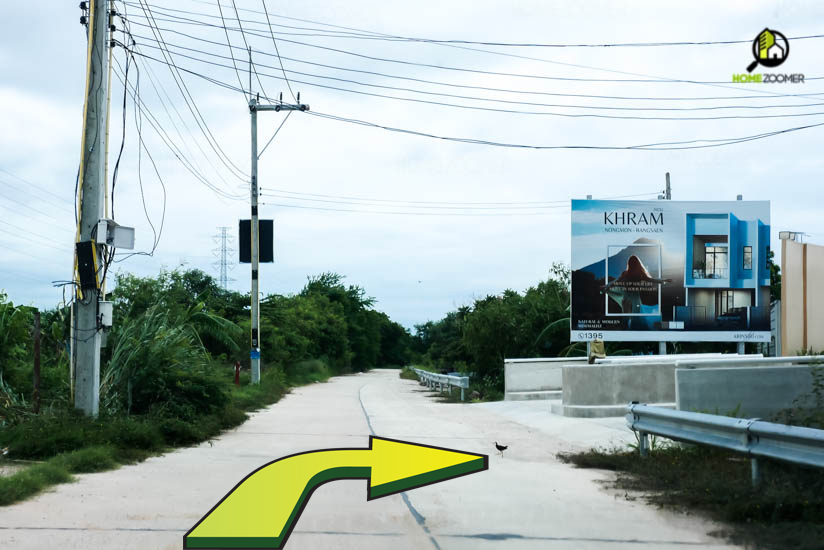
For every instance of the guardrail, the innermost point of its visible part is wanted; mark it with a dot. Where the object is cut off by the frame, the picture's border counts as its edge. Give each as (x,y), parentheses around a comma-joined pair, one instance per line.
(749,361)
(431,379)
(753,437)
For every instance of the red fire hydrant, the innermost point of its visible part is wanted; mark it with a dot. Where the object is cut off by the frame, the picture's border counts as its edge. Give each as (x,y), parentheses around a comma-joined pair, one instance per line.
(237,373)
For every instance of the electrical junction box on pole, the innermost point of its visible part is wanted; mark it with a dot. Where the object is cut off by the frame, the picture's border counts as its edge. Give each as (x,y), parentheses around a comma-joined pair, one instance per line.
(87,265)
(106,314)
(115,235)
(266,241)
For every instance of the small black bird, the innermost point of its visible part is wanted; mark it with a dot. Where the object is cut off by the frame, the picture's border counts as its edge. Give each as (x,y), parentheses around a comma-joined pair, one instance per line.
(501,448)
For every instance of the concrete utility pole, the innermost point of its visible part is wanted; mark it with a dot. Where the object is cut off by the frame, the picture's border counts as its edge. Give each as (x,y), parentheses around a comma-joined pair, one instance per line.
(254,107)
(662,346)
(86,334)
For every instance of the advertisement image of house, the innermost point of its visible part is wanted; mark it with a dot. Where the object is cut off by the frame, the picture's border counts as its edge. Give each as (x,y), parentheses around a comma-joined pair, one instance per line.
(726,274)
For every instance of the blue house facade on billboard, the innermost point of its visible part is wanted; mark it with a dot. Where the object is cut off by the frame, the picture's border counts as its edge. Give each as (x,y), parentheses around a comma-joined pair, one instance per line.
(726,273)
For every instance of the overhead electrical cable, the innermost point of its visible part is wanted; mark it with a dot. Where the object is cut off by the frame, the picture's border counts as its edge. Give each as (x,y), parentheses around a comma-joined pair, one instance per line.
(691,144)
(191,104)
(170,144)
(497,100)
(659,146)
(483,88)
(277,51)
(229,43)
(366,33)
(431,205)
(249,50)
(477,71)
(512,111)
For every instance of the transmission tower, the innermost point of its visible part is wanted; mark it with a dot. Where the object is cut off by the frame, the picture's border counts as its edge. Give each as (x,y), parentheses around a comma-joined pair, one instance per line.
(223,252)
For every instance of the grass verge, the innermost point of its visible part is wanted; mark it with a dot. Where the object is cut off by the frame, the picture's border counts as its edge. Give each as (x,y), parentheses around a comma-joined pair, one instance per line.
(68,443)
(786,511)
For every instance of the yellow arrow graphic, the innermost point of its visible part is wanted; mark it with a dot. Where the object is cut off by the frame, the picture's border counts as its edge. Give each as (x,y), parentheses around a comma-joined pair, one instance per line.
(262,510)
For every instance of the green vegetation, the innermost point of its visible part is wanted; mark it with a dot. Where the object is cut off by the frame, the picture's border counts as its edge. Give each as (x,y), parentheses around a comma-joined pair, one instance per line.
(408,374)
(786,511)
(167,369)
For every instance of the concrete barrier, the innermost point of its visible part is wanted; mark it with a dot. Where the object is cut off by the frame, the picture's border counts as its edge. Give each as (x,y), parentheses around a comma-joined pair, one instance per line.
(537,378)
(754,391)
(605,390)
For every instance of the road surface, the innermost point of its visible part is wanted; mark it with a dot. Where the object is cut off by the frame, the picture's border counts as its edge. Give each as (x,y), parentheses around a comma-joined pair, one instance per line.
(526,500)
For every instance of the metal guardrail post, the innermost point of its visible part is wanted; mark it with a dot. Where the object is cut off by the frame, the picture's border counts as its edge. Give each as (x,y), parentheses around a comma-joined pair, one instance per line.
(643,444)
(755,467)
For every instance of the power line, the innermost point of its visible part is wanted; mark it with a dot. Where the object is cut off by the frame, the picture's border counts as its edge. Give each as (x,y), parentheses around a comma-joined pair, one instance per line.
(189,100)
(249,49)
(275,42)
(494,100)
(361,33)
(554,209)
(170,144)
(646,79)
(431,206)
(495,203)
(229,42)
(40,186)
(516,111)
(155,82)
(45,199)
(409,213)
(659,146)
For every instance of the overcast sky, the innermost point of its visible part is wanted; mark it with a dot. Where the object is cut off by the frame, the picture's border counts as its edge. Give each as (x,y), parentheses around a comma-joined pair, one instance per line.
(418,267)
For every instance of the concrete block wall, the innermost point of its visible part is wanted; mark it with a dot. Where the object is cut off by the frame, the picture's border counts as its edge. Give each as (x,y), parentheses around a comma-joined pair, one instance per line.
(757,392)
(536,378)
(604,390)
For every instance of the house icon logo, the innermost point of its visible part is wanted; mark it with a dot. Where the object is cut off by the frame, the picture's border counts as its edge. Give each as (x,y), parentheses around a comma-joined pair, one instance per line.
(770,48)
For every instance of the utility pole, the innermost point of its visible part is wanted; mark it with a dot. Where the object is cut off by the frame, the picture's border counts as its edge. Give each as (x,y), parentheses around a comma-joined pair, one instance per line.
(222,252)
(36,396)
(662,346)
(86,333)
(254,107)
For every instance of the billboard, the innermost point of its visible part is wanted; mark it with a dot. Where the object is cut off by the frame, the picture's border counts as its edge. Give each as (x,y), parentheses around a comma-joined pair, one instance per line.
(670,271)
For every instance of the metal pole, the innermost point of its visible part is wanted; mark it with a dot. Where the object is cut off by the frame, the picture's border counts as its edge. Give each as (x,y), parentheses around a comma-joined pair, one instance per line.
(668,191)
(36,396)
(643,444)
(255,351)
(755,467)
(85,331)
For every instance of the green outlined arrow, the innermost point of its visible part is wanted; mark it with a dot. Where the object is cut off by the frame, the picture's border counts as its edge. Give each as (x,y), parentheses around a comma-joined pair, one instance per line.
(262,510)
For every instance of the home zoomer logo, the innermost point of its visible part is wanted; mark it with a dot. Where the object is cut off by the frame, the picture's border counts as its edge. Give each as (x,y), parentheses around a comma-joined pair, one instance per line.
(770,49)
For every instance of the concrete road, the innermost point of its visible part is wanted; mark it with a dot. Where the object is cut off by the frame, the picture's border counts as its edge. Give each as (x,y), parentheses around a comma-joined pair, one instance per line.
(525,500)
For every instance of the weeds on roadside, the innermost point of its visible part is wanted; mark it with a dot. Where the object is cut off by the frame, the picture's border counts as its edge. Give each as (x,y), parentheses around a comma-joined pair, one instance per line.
(786,511)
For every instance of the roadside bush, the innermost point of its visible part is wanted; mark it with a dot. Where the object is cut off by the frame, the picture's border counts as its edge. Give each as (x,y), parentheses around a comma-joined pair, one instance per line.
(91,459)
(408,374)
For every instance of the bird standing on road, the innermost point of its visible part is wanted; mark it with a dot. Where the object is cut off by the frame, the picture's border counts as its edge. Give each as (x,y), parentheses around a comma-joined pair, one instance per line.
(501,448)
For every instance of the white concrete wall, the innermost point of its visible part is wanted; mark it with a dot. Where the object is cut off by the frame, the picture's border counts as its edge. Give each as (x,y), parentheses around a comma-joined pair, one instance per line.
(757,392)
(802,297)
(527,375)
(618,384)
